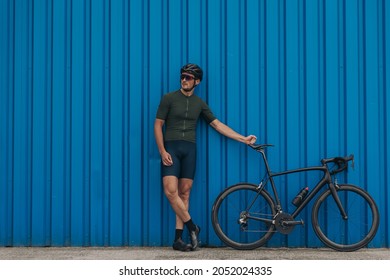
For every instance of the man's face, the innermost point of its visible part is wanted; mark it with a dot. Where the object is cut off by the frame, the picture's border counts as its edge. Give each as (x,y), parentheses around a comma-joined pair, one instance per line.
(188,81)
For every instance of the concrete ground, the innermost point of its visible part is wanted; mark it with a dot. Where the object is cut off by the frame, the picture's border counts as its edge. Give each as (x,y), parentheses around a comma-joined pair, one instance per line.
(166,253)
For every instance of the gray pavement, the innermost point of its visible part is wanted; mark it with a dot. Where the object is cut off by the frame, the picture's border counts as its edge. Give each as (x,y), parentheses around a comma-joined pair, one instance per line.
(166,253)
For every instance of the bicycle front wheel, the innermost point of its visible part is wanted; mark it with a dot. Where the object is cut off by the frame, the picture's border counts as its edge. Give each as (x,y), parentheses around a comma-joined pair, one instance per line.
(346,233)
(242,216)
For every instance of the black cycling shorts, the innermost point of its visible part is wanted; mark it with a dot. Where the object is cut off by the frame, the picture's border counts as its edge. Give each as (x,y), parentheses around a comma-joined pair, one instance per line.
(183,155)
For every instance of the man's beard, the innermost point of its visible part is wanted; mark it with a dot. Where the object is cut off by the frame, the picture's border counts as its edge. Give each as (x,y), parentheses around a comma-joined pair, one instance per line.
(188,89)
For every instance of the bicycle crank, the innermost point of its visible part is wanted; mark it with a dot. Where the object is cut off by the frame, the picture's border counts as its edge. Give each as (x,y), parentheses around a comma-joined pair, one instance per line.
(284,223)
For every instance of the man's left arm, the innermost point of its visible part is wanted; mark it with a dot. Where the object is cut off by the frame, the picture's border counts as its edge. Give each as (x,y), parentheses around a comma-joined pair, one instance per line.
(228,132)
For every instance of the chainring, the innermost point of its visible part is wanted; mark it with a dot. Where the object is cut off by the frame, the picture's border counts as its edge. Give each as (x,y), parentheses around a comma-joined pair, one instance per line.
(279,223)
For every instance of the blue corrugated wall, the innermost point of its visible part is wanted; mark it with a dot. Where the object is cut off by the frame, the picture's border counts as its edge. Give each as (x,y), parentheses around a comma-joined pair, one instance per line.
(80,82)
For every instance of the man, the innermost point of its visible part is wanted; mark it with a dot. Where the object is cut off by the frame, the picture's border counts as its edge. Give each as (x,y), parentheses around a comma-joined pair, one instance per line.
(179,112)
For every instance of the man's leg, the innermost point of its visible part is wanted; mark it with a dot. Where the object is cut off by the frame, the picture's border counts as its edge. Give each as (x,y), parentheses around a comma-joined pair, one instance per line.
(171,189)
(184,190)
(185,186)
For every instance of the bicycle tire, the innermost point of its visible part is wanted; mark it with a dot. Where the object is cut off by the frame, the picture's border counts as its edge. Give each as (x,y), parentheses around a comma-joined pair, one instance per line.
(233,202)
(349,234)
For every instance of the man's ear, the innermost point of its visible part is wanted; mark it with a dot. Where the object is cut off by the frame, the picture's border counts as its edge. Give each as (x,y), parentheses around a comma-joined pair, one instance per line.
(197,82)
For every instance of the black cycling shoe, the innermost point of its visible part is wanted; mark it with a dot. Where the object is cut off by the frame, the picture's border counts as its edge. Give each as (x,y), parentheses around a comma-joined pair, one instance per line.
(195,238)
(179,245)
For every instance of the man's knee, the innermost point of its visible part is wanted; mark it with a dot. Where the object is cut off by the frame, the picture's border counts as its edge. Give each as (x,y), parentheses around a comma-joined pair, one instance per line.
(185,186)
(185,195)
(171,195)
(170,187)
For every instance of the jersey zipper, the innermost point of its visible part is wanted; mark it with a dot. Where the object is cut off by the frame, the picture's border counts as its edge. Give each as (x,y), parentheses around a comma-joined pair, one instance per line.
(184,123)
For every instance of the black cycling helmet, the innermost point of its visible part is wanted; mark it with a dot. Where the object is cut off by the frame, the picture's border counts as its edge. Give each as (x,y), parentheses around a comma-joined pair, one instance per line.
(192,69)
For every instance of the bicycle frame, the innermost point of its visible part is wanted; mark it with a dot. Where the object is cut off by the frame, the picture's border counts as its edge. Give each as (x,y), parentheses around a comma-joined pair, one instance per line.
(326,179)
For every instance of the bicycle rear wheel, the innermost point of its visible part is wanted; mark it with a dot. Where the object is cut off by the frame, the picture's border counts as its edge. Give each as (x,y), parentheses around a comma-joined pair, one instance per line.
(349,234)
(242,217)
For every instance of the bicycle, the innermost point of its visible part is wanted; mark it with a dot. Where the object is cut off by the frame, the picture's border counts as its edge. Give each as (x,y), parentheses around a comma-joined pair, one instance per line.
(344,217)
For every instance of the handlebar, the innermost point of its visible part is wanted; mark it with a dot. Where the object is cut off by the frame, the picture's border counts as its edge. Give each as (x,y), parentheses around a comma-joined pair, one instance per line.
(342,163)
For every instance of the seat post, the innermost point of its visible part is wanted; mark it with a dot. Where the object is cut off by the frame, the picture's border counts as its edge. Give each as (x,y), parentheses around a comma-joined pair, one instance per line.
(265,162)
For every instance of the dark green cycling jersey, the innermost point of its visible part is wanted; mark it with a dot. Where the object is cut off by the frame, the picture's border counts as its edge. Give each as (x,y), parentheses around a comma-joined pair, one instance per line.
(181,113)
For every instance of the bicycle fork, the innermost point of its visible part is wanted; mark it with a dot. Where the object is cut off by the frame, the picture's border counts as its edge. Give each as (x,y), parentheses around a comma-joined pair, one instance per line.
(333,189)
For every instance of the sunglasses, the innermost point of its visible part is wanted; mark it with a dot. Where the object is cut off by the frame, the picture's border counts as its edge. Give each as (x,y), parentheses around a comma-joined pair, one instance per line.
(186,77)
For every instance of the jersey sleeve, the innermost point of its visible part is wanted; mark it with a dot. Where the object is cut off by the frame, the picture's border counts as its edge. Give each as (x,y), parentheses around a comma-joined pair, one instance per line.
(207,115)
(163,108)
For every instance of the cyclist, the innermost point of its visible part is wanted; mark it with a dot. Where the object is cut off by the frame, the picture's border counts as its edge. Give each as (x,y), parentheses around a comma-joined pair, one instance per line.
(179,112)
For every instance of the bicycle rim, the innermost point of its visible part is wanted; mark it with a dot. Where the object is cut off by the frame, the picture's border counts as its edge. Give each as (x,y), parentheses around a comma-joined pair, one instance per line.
(348,234)
(230,224)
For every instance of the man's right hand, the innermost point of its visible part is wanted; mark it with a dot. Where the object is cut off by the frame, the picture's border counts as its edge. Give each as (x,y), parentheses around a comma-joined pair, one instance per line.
(166,159)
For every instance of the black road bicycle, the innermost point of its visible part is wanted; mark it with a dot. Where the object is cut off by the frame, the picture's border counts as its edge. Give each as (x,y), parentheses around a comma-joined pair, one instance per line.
(344,216)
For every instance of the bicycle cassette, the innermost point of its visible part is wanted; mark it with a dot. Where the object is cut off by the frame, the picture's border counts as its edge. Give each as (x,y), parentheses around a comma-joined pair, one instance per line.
(282,223)
(242,221)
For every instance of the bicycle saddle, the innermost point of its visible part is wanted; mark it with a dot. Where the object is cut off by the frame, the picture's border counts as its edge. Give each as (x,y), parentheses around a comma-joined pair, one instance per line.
(259,147)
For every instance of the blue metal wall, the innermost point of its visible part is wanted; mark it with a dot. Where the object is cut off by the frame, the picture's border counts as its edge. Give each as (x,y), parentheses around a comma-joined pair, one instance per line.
(80,82)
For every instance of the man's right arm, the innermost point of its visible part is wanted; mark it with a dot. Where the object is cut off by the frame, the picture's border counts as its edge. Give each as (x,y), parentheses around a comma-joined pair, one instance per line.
(158,124)
(158,134)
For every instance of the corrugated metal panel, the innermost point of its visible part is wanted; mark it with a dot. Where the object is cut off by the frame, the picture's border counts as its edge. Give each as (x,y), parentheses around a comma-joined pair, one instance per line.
(80,82)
